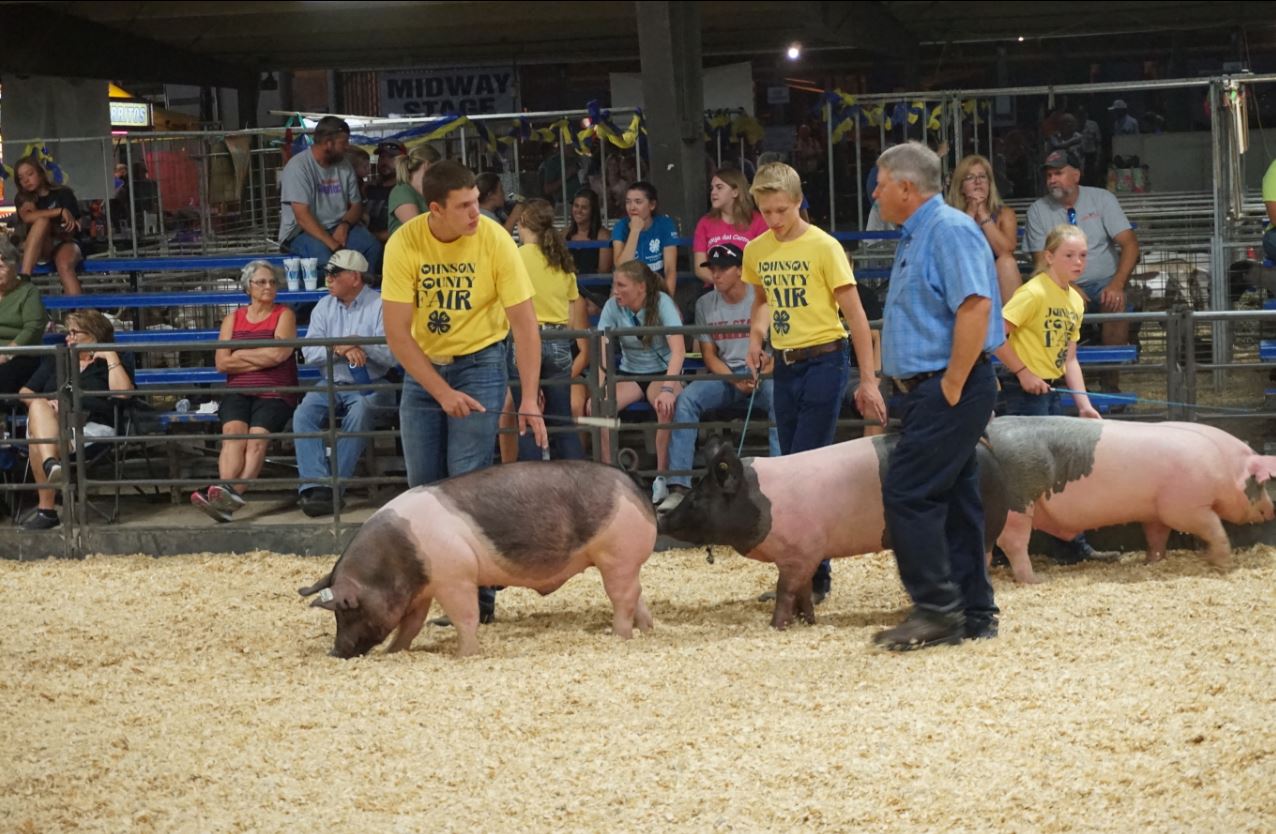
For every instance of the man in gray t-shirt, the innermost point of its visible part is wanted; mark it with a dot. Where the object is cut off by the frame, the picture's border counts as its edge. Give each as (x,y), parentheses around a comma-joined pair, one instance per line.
(731,302)
(321,210)
(1099,215)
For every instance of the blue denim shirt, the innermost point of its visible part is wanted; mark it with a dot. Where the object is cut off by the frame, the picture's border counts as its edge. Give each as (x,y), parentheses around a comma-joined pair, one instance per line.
(942,260)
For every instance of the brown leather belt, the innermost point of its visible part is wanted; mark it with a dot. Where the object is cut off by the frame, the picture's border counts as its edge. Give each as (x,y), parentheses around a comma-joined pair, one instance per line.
(909,383)
(794,355)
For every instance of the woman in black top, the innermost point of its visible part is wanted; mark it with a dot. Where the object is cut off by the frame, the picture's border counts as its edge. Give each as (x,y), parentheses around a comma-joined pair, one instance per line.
(52,217)
(99,371)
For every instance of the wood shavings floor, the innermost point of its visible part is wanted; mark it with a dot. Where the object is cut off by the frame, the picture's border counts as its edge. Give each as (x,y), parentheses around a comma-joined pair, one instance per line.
(195,694)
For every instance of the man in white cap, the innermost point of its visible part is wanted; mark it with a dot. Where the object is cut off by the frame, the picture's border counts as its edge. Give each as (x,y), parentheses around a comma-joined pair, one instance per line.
(351,309)
(1123,124)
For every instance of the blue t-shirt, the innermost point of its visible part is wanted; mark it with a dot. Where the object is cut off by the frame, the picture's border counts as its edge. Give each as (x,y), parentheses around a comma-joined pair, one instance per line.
(652,241)
(635,357)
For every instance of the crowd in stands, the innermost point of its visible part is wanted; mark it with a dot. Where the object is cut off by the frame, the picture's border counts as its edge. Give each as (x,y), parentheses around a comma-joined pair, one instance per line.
(350,212)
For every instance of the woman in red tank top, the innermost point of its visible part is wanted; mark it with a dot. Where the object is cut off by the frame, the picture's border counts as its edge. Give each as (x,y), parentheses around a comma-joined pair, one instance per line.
(260,367)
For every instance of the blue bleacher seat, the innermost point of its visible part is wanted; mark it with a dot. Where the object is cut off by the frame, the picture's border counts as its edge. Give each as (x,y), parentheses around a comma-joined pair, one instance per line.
(112,301)
(181,263)
(1267,350)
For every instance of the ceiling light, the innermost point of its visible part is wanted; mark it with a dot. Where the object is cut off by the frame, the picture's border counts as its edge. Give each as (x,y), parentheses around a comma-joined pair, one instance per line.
(794,51)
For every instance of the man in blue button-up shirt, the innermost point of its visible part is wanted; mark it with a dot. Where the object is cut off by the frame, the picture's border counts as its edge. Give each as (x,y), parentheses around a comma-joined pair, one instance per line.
(352,309)
(942,316)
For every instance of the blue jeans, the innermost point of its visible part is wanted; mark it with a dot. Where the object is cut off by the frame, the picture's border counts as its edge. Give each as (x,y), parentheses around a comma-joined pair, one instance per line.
(359,239)
(808,399)
(1269,244)
(556,364)
(708,395)
(1016,402)
(934,513)
(436,446)
(358,413)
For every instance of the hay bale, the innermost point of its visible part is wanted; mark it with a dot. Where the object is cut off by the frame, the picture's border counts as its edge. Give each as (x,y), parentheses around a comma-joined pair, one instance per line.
(195,694)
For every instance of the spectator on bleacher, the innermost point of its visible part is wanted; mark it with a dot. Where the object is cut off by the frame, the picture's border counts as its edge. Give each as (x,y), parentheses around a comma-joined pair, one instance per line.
(361,161)
(406,200)
(586,224)
(1043,324)
(376,196)
(22,321)
(551,174)
(454,287)
(351,309)
(492,202)
(264,412)
(974,192)
(646,236)
(1269,202)
(1091,146)
(101,370)
(639,300)
(730,303)
(51,215)
(558,306)
(1123,124)
(806,279)
(321,207)
(732,218)
(1098,214)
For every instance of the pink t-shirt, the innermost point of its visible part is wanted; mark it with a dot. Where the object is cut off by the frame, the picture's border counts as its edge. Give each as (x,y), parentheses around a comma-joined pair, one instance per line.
(711,231)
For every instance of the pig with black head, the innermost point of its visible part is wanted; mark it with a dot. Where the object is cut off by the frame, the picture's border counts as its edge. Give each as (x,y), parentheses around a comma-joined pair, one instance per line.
(799,509)
(532,525)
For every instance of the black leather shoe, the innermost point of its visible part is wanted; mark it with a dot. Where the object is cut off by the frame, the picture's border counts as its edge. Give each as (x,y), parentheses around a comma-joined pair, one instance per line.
(980,628)
(922,629)
(316,502)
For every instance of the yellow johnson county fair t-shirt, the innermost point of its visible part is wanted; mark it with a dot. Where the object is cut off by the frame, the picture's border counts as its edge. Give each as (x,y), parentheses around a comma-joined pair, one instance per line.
(460,289)
(555,289)
(799,277)
(1046,317)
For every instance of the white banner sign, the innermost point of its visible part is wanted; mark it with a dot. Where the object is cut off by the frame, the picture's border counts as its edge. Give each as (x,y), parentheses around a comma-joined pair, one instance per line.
(465,90)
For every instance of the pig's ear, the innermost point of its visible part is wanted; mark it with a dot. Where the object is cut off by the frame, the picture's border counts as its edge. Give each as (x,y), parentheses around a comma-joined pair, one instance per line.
(343,596)
(713,445)
(727,469)
(1262,468)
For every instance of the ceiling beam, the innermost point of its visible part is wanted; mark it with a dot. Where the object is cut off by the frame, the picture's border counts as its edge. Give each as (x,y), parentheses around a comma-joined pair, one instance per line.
(85,49)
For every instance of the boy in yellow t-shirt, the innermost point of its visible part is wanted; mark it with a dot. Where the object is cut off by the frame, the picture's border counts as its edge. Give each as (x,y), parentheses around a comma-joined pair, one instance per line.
(453,286)
(1043,322)
(805,277)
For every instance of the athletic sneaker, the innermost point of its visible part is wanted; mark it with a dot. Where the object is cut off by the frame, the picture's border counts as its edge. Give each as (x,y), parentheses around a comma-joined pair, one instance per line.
(52,470)
(200,500)
(676,494)
(42,520)
(225,498)
(659,489)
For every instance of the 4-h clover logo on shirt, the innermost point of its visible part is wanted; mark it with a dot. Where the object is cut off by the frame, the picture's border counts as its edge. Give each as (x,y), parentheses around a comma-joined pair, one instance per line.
(781,320)
(439,322)
(653,246)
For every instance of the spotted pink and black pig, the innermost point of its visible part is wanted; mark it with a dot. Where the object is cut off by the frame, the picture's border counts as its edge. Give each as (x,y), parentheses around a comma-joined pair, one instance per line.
(532,525)
(799,509)
(1064,475)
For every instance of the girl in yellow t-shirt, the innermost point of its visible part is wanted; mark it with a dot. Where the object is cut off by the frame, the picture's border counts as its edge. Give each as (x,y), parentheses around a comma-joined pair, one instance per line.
(558,306)
(1043,321)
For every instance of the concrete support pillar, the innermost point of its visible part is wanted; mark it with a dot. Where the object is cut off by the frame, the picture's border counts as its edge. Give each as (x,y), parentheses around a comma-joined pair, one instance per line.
(673,105)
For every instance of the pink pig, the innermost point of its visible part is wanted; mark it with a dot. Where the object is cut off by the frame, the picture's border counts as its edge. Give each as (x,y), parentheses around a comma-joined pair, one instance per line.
(1064,475)
(533,525)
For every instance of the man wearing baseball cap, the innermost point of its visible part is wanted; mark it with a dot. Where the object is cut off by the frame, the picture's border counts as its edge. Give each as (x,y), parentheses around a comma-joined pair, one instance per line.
(1123,124)
(351,309)
(1113,248)
(730,303)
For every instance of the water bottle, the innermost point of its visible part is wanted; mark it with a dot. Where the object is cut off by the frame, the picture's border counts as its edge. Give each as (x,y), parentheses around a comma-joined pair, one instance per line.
(359,373)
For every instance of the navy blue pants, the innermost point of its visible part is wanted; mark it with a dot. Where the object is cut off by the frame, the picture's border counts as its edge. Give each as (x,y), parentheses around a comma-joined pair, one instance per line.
(934,514)
(807,400)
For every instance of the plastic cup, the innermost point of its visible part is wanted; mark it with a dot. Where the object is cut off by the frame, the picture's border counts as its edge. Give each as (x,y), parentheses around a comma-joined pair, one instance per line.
(310,272)
(292,272)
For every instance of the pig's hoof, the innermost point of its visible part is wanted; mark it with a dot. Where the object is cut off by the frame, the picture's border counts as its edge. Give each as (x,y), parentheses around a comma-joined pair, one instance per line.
(1153,558)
